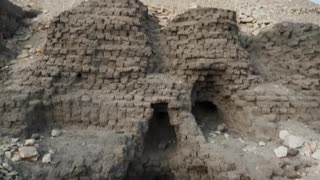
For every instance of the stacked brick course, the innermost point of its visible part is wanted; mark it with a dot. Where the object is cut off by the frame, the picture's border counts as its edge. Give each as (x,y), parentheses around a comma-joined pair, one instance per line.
(98,71)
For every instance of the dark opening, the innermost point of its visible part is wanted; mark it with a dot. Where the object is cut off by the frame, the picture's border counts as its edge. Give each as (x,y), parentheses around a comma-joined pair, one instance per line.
(207,116)
(157,176)
(149,174)
(161,135)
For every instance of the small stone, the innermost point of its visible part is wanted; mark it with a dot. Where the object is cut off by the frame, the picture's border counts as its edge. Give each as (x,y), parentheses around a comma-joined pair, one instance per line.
(226,136)
(294,141)
(55,133)
(13,173)
(221,128)
(35,158)
(293,152)
(247,19)
(194,6)
(16,157)
(14,140)
(47,158)
(35,136)
(8,154)
(306,150)
(28,152)
(241,140)
(7,166)
(281,151)
(283,134)
(316,155)
(29,142)
(261,143)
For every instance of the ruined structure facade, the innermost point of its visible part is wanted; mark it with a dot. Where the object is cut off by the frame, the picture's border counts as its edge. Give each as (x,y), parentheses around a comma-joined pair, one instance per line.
(108,64)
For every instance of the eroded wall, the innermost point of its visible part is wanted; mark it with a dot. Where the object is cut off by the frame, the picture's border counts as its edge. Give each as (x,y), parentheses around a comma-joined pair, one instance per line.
(99,69)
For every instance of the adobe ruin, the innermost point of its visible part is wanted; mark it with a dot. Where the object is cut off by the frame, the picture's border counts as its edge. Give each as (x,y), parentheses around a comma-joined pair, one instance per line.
(109,64)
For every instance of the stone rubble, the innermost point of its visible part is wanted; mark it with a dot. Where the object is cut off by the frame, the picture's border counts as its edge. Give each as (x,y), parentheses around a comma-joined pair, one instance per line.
(281,151)
(316,155)
(294,141)
(55,133)
(283,134)
(28,152)
(47,158)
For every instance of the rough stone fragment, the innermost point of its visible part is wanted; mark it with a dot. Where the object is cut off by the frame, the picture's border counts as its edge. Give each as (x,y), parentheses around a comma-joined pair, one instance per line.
(35,136)
(221,128)
(316,154)
(29,142)
(47,158)
(28,152)
(281,151)
(55,133)
(16,157)
(14,140)
(261,143)
(294,141)
(8,154)
(283,134)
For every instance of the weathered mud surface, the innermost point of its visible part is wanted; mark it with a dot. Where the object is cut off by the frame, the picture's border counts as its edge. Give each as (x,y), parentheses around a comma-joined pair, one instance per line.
(131,96)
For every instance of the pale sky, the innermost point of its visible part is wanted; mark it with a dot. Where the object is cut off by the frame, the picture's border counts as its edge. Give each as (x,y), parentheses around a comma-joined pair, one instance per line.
(316,1)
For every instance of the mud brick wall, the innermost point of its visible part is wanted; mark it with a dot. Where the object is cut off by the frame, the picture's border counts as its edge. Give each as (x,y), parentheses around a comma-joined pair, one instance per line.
(99,41)
(202,46)
(288,56)
(95,72)
(289,53)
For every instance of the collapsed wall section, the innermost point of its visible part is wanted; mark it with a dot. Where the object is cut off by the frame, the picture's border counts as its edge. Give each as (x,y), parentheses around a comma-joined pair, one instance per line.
(287,57)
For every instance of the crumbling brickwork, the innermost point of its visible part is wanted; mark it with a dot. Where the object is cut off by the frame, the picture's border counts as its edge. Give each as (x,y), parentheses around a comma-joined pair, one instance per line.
(98,70)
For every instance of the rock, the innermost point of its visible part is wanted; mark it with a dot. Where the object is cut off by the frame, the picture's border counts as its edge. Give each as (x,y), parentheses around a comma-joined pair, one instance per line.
(35,136)
(28,152)
(29,142)
(221,128)
(316,155)
(13,173)
(226,136)
(247,19)
(293,152)
(8,154)
(14,140)
(281,151)
(47,158)
(294,141)
(16,157)
(194,6)
(306,150)
(35,158)
(261,143)
(55,133)
(7,166)
(283,134)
